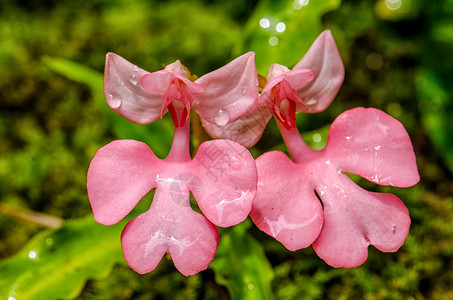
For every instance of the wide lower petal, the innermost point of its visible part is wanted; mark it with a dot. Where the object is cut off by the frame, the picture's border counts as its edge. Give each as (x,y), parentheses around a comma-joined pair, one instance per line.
(126,96)
(227,172)
(229,91)
(372,144)
(324,59)
(120,174)
(169,227)
(246,130)
(354,219)
(285,205)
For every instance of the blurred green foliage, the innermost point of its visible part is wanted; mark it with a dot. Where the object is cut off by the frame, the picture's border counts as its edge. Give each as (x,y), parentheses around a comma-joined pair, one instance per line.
(396,59)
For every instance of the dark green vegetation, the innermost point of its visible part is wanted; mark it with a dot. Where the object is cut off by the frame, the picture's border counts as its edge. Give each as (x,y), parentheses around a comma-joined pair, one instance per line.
(52,125)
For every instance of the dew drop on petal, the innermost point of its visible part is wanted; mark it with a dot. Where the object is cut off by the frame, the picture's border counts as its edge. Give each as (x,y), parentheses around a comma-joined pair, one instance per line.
(222,117)
(244,89)
(122,83)
(114,102)
(133,80)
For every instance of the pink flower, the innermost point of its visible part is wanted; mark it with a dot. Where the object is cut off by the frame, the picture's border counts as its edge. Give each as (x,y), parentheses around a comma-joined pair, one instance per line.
(309,87)
(221,177)
(219,97)
(366,142)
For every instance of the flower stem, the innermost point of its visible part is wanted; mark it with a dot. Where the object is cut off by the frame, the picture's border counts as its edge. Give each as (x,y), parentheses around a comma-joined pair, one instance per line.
(180,148)
(296,146)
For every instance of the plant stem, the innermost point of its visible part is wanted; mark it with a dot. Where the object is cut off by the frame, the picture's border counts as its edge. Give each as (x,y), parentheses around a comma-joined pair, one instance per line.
(31,216)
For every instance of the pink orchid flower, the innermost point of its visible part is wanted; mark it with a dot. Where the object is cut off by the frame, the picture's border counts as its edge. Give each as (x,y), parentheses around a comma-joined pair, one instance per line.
(222,176)
(366,142)
(309,87)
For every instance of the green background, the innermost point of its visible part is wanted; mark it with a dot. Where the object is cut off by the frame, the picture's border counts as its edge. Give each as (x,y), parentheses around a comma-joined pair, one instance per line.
(53,119)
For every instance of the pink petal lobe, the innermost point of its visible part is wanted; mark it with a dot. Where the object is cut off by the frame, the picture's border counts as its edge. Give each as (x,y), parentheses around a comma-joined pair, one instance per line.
(120,174)
(124,93)
(354,219)
(230,91)
(228,175)
(286,206)
(169,227)
(246,130)
(372,144)
(324,59)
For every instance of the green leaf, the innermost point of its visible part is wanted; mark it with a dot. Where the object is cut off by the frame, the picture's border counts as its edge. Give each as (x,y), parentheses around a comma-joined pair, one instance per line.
(56,263)
(158,134)
(241,265)
(282,31)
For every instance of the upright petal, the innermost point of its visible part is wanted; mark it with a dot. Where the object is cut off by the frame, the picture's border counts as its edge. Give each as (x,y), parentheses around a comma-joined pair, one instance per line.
(372,144)
(120,174)
(228,175)
(285,205)
(229,91)
(169,227)
(354,219)
(247,130)
(126,96)
(324,59)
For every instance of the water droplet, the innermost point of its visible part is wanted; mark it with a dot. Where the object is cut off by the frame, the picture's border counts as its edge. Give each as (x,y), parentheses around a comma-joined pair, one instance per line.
(393,4)
(265,23)
(135,68)
(133,80)
(273,41)
(317,138)
(49,241)
(298,4)
(280,27)
(33,254)
(394,228)
(310,101)
(114,102)
(377,148)
(250,286)
(122,83)
(222,117)
(244,89)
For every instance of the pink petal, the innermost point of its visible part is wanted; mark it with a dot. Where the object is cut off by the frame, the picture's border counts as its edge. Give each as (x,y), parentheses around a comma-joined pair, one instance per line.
(246,130)
(120,174)
(228,173)
(278,73)
(157,83)
(300,78)
(286,206)
(372,144)
(229,91)
(171,228)
(126,96)
(324,59)
(355,218)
